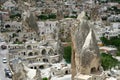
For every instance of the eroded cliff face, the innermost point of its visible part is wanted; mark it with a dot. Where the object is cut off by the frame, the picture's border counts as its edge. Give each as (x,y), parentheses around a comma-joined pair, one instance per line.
(85,53)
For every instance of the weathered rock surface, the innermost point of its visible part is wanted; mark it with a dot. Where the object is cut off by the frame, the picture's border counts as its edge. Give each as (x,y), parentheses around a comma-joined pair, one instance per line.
(24,73)
(29,21)
(85,53)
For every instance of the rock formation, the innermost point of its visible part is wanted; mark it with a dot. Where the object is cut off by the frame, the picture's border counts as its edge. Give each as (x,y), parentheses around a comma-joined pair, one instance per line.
(29,20)
(85,53)
(24,73)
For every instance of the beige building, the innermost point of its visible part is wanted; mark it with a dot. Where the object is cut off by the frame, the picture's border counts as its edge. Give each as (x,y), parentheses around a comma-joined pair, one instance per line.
(35,54)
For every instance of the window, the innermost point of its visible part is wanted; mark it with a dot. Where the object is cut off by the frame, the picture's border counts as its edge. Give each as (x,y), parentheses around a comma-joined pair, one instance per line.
(66,72)
(41,67)
(35,67)
(30,54)
(24,53)
(93,70)
(31,67)
(45,60)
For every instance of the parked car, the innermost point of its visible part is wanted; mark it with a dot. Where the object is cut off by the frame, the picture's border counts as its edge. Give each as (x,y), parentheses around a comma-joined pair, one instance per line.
(4,60)
(3,47)
(8,73)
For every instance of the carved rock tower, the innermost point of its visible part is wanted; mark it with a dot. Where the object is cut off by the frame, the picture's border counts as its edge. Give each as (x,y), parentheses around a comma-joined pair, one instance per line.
(85,53)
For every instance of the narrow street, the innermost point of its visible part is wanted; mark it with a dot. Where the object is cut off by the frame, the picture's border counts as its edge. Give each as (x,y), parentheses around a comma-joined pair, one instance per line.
(3,53)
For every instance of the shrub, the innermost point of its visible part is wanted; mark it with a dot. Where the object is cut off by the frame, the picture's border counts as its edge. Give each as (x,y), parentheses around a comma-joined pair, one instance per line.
(118,54)
(112,41)
(45,78)
(52,16)
(67,54)
(47,16)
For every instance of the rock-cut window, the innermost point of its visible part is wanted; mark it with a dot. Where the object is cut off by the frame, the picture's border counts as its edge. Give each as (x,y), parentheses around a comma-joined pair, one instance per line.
(43,52)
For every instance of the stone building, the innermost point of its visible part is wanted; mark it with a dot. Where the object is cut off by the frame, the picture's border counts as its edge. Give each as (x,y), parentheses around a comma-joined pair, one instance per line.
(15,31)
(35,54)
(85,53)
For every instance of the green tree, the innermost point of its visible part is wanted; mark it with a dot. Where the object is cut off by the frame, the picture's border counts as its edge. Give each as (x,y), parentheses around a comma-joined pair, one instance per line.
(112,41)
(67,54)
(108,61)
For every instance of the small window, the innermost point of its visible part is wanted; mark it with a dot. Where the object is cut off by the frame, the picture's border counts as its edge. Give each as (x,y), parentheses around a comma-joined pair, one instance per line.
(41,67)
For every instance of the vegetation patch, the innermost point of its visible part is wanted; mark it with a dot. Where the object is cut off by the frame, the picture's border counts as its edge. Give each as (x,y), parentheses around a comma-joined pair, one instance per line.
(108,61)
(67,54)
(45,78)
(112,41)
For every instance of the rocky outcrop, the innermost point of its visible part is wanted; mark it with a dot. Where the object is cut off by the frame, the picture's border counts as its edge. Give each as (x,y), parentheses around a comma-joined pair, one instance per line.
(85,53)
(24,73)
(29,21)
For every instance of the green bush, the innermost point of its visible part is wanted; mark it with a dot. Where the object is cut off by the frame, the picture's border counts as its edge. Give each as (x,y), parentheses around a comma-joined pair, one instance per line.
(45,78)
(112,41)
(118,54)
(73,16)
(66,16)
(43,17)
(47,16)
(67,54)
(108,61)
(52,16)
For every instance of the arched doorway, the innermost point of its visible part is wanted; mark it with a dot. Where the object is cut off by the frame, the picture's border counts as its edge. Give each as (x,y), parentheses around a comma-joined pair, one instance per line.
(30,54)
(93,70)
(29,47)
(43,52)
(66,72)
